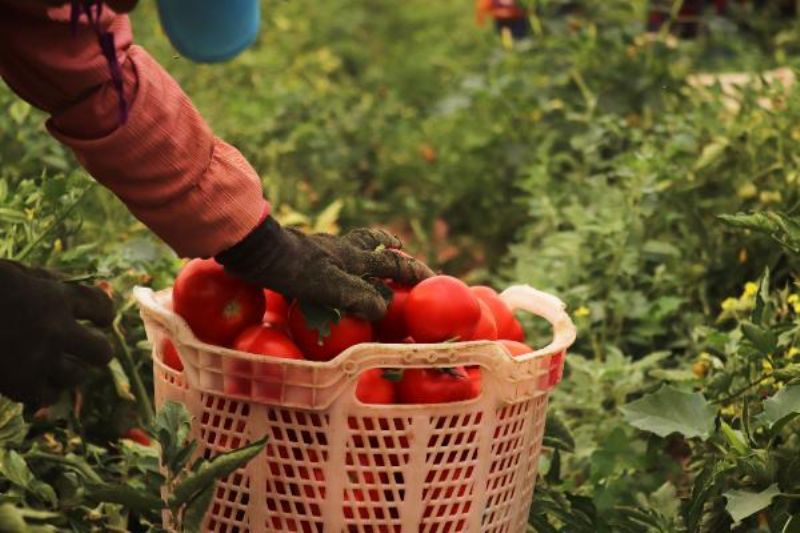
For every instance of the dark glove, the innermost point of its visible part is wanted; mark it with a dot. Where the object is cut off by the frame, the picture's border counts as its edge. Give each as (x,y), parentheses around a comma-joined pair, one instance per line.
(322,268)
(43,346)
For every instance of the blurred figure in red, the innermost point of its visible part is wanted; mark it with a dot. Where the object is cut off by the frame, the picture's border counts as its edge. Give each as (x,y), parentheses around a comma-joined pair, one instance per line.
(509,17)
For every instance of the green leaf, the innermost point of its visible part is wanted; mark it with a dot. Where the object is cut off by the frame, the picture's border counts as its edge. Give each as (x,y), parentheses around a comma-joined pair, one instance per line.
(392,374)
(129,497)
(12,426)
(670,410)
(19,110)
(660,249)
(734,438)
(711,153)
(320,318)
(171,426)
(742,503)
(12,215)
(557,434)
(121,382)
(553,475)
(762,298)
(14,468)
(196,510)
(218,467)
(783,403)
(763,339)
(780,227)
(11,520)
(705,487)
(183,456)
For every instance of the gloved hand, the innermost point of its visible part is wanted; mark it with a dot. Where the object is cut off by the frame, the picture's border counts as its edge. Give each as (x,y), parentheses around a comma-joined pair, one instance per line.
(321,268)
(43,346)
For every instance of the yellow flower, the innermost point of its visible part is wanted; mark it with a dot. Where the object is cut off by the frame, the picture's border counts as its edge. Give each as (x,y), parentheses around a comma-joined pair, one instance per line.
(779,385)
(767,366)
(582,311)
(58,246)
(770,197)
(750,289)
(796,308)
(748,190)
(728,410)
(792,353)
(793,298)
(767,381)
(729,304)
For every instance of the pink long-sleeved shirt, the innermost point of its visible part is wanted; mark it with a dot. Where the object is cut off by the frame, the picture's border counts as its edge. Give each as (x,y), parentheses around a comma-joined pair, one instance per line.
(192,189)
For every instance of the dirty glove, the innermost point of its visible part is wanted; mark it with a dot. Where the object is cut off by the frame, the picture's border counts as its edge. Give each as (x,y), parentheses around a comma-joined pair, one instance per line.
(43,346)
(321,268)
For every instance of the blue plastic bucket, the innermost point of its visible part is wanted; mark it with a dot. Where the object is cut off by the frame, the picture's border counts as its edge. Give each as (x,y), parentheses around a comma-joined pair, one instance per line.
(210,31)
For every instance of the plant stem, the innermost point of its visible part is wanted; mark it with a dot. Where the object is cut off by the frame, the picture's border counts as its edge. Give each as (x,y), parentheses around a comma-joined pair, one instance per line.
(126,359)
(742,390)
(79,467)
(60,218)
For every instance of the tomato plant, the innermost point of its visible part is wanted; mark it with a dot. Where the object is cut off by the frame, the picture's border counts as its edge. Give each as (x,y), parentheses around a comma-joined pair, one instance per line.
(216,305)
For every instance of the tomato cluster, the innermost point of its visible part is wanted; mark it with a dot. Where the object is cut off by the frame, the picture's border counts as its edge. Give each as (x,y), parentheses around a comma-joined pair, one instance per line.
(225,311)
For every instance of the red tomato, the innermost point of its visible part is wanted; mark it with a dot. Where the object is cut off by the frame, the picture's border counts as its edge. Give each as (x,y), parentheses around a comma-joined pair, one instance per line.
(476,380)
(374,388)
(263,340)
(277,309)
(392,327)
(506,323)
(348,332)
(441,308)
(216,306)
(137,435)
(516,348)
(486,328)
(515,332)
(170,357)
(433,385)
(267,340)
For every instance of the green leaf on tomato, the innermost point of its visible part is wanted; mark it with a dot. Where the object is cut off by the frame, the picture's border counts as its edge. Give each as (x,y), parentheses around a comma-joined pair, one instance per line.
(320,318)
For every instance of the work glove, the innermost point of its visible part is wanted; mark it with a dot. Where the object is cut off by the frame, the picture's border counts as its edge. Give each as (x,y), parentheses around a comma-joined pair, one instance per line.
(321,268)
(45,344)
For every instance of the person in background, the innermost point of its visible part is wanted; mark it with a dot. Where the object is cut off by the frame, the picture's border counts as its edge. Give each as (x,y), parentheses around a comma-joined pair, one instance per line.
(136,132)
(509,17)
(689,20)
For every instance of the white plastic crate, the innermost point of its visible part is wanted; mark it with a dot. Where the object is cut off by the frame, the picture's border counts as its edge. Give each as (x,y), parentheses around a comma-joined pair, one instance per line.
(334,464)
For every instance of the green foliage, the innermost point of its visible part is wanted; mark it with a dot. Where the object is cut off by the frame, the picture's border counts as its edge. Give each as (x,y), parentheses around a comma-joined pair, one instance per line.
(671,410)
